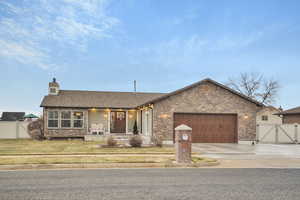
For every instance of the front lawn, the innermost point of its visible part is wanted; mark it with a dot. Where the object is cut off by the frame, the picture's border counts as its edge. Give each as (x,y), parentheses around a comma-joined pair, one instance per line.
(27,147)
(83,159)
(95,159)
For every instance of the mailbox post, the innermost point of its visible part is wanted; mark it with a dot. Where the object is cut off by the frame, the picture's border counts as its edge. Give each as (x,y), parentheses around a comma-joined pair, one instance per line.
(183,144)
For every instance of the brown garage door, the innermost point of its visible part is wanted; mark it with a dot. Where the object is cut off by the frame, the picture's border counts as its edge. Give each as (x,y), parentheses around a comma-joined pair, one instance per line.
(209,128)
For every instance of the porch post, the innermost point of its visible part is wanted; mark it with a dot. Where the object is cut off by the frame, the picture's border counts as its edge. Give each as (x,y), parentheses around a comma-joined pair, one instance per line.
(108,121)
(146,120)
(137,120)
(126,122)
(87,122)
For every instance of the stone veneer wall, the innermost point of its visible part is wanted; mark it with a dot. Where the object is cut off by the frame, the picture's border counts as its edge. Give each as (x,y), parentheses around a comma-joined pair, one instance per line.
(65,132)
(205,98)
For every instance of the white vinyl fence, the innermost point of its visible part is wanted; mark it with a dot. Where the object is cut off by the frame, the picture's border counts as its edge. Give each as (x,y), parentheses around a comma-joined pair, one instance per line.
(278,134)
(13,130)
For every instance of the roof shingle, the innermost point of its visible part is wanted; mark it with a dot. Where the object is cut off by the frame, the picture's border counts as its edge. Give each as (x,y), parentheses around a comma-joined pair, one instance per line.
(291,111)
(95,99)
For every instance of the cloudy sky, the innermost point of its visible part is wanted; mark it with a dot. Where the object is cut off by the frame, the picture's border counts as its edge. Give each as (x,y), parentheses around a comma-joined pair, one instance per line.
(164,45)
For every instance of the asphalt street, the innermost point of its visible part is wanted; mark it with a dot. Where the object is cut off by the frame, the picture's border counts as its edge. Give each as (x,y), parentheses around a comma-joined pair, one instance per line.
(151,184)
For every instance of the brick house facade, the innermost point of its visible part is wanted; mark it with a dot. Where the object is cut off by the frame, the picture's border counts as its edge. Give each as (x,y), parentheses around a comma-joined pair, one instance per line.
(154,112)
(205,98)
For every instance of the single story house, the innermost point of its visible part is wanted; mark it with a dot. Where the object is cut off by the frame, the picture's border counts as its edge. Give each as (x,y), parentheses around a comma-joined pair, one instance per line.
(12,116)
(291,116)
(268,115)
(216,113)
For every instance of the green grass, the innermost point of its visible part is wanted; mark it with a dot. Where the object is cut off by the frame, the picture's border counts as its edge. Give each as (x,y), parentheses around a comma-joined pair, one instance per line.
(27,147)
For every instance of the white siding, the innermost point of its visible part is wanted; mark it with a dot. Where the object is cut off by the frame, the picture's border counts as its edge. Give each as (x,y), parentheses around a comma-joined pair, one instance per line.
(98,117)
(272,119)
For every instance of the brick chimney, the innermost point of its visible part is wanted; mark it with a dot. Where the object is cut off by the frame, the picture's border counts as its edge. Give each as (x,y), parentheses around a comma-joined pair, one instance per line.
(53,87)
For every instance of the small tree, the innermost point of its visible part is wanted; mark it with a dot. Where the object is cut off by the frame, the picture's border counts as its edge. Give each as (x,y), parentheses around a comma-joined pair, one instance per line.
(35,129)
(135,128)
(256,86)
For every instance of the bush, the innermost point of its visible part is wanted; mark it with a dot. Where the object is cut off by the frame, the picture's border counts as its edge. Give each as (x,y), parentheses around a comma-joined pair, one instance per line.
(136,141)
(35,129)
(135,128)
(157,141)
(111,142)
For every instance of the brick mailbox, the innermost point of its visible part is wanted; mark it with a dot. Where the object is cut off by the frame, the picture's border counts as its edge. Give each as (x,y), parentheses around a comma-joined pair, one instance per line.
(183,144)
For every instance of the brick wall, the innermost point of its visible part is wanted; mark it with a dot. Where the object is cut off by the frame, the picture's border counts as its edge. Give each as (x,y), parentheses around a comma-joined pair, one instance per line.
(205,98)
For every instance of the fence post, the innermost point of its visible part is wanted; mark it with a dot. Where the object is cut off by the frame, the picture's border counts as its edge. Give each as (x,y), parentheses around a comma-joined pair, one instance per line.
(296,133)
(17,129)
(257,133)
(276,134)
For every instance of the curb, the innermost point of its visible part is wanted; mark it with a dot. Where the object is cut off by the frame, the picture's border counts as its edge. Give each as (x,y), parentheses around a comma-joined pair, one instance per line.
(105,165)
(83,154)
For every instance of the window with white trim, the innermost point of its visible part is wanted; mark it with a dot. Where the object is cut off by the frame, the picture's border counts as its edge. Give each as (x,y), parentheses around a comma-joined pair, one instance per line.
(264,118)
(65,119)
(77,119)
(53,119)
(53,90)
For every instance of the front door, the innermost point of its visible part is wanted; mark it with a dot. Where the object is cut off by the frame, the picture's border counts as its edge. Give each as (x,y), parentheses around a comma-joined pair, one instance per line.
(118,122)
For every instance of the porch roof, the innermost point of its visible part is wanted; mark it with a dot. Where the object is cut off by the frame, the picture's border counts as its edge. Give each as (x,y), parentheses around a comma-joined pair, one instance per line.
(97,99)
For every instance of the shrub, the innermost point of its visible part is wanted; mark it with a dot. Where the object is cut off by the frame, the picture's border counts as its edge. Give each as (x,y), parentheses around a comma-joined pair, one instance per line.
(135,141)
(157,141)
(135,128)
(35,129)
(111,142)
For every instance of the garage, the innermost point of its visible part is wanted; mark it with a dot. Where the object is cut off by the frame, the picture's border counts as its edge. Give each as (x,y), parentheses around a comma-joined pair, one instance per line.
(209,128)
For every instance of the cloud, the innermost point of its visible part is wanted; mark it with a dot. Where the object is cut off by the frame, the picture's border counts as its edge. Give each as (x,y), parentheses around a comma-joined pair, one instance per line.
(181,52)
(32,33)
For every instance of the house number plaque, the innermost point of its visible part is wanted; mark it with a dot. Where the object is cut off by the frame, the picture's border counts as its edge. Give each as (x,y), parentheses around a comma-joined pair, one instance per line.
(185,137)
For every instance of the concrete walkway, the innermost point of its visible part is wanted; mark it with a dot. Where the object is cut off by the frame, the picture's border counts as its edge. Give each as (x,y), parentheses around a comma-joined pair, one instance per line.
(248,156)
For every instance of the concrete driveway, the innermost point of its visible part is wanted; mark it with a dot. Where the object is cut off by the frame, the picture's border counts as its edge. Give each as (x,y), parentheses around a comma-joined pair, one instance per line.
(248,156)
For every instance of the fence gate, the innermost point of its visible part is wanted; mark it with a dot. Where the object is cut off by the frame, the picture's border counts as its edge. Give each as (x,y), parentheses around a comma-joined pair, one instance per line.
(277,133)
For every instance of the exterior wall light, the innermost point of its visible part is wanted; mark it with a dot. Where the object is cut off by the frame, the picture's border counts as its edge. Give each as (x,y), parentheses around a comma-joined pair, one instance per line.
(163,116)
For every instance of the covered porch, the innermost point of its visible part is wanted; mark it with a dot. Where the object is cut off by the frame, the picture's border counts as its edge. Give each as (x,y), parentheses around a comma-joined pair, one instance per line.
(119,121)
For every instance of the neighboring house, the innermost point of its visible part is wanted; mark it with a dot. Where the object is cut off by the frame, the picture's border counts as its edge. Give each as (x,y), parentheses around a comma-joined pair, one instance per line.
(267,115)
(215,112)
(291,116)
(12,116)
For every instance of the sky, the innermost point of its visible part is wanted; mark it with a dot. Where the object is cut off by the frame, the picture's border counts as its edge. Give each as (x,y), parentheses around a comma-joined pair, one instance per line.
(164,45)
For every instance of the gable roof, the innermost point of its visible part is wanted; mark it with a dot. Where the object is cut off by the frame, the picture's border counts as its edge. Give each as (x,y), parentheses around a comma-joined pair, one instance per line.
(97,99)
(290,111)
(202,82)
(12,116)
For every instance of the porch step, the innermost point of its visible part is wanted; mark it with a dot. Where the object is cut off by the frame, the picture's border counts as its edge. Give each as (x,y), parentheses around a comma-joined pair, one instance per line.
(121,138)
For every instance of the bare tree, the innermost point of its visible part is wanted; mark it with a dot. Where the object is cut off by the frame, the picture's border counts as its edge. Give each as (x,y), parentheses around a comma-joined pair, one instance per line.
(256,86)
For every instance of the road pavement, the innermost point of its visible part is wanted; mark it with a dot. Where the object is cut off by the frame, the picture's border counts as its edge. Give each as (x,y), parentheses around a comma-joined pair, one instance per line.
(156,184)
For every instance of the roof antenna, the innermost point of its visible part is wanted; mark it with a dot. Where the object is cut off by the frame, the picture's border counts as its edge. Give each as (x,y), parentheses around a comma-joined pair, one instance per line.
(134,85)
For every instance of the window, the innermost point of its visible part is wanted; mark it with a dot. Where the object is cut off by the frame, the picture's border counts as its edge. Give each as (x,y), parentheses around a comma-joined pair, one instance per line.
(120,115)
(78,119)
(53,119)
(264,118)
(65,119)
(53,90)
